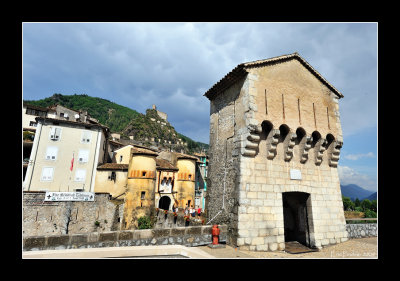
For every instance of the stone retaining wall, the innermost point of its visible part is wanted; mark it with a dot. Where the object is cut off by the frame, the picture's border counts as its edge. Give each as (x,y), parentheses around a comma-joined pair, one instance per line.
(186,236)
(58,218)
(361,230)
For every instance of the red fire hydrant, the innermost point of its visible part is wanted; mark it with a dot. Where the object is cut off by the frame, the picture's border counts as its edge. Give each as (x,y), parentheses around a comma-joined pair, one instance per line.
(215,234)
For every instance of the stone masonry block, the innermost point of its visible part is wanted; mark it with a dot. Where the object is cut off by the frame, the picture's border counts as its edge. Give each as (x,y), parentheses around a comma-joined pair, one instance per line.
(58,240)
(125,235)
(195,230)
(34,242)
(79,238)
(108,236)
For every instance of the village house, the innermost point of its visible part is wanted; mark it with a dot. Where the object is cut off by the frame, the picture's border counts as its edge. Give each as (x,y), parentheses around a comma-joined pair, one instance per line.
(29,123)
(275,140)
(65,154)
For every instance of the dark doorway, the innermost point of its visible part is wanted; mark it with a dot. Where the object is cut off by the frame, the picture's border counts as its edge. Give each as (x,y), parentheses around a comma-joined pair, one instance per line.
(164,203)
(295,217)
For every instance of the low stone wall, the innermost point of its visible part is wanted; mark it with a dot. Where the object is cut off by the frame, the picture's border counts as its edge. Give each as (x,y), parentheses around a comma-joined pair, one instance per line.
(361,230)
(186,236)
(169,221)
(57,218)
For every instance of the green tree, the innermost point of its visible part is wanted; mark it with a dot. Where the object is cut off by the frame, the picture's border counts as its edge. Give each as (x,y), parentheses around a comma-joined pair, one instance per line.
(357,202)
(348,205)
(374,205)
(370,214)
(366,205)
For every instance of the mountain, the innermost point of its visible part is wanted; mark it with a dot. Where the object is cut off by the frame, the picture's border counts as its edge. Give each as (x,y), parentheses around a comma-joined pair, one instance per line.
(354,191)
(147,129)
(373,196)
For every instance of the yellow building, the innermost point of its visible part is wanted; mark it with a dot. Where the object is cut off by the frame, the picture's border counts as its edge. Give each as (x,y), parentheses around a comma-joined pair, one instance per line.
(139,195)
(147,180)
(111,178)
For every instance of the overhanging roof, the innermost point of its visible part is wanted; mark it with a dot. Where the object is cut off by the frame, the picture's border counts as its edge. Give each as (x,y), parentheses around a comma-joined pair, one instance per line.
(242,69)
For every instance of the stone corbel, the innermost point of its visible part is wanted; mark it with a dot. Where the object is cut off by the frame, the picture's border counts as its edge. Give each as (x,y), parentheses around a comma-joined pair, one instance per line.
(319,149)
(272,141)
(305,146)
(288,145)
(335,152)
(251,141)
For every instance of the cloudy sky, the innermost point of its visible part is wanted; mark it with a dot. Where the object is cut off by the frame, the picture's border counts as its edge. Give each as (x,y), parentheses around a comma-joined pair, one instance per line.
(173,64)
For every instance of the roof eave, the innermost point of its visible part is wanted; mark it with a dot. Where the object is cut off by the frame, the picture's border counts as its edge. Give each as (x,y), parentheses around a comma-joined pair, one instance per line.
(242,69)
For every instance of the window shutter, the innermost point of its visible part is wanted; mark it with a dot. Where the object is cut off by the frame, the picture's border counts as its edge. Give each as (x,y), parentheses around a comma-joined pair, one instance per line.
(80,175)
(83,156)
(55,133)
(86,136)
(47,174)
(51,153)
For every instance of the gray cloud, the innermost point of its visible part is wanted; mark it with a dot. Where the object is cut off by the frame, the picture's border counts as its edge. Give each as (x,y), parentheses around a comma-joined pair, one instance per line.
(173,64)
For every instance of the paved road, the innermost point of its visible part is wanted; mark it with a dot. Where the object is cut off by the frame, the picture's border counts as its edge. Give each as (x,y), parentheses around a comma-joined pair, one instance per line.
(354,248)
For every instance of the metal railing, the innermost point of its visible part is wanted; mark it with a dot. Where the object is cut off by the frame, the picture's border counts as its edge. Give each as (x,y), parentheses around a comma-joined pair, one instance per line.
(359,220)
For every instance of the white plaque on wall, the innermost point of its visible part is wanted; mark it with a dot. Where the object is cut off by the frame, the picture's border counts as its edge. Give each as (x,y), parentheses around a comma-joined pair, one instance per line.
(69,196)
(295,174)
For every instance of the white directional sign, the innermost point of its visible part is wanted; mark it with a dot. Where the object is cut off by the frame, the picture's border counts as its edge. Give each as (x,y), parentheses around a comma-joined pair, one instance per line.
(69,196)
(295,174)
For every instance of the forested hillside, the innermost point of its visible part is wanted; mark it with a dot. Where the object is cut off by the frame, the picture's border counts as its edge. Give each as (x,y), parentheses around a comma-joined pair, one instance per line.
(123,120)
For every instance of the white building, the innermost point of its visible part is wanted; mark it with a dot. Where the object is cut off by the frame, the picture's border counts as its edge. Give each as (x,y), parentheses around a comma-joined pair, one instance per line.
(65,155)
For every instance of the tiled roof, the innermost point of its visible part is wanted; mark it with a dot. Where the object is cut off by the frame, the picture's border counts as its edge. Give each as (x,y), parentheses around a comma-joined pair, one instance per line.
(185,156)
(35,107)
(241,70)
(163,164)
(44,119)
(113,166)
(145,151)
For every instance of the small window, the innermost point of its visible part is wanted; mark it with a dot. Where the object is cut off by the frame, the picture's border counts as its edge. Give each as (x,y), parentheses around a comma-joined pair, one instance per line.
(142,195)
(47,174)
(112,176)
(190,177)
(86,136)
(61,114)
(55,133)
(32,124)
(51,153)
(80,175)
(83,156)
(143,174)
(120,158)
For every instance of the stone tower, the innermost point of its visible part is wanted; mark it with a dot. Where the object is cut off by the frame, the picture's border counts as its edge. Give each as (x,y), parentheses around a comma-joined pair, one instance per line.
(275,140)
(139,194)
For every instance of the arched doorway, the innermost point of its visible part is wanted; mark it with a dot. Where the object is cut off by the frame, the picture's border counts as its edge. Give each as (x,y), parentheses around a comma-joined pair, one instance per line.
(164,203)
(295,217)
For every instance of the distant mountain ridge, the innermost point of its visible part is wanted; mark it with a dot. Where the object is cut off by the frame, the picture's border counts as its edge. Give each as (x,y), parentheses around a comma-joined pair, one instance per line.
(354,191)
(126,121)
(373,196)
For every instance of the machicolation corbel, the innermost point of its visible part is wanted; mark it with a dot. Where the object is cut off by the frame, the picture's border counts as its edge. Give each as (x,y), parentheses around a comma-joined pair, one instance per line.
(305,146)
(272,142)
(289,143)
(320,147)
(251,141)
(335,153)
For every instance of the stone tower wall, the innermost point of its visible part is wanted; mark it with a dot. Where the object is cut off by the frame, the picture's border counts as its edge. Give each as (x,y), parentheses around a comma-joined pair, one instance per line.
(251,160)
